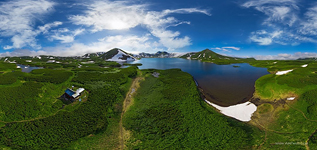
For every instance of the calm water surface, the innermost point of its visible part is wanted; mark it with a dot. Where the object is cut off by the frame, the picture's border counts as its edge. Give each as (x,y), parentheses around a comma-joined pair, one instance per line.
(224,85)
(28,69)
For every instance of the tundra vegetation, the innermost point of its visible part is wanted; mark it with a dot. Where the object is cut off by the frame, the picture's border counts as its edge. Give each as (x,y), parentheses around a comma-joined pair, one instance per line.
(167,111)
(33,116)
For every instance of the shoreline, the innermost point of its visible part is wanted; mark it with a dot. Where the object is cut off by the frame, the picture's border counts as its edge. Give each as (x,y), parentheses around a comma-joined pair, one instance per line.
(242,111)
(210,98)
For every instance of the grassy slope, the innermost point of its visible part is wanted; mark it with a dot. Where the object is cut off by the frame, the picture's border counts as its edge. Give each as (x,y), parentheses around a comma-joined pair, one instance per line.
(169,114)
(25,103)
(42,101)
(288,124)
(109,139)
(210,56)
(296,82)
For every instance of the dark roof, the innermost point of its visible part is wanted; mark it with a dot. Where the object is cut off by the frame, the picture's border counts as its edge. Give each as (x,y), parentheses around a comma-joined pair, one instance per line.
(69,92)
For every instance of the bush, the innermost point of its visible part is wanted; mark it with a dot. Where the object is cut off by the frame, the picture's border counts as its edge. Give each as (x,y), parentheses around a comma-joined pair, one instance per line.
(17,103)
(59,130)
(169,114)
(49,75)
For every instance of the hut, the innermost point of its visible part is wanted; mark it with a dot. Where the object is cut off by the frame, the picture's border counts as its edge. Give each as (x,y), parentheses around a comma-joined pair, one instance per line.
(72,95)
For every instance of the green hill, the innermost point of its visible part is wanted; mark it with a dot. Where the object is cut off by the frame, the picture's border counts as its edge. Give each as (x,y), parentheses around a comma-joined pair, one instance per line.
(210,56)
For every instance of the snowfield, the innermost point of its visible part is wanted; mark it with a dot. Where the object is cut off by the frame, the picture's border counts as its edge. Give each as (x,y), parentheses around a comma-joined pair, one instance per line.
(304,65)
(242,112)
(291,98)
(283,72)
(120,55)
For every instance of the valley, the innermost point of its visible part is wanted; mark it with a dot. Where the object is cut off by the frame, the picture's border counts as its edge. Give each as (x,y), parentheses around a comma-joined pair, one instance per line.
(130,108)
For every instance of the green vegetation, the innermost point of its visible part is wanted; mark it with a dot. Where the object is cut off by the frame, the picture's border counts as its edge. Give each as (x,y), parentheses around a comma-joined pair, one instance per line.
(210,56)
(297,82)
(288,124)
(49,75)
(9,78)
(33,117)
(168,113)
(119,77)
(137,64)
(17,103)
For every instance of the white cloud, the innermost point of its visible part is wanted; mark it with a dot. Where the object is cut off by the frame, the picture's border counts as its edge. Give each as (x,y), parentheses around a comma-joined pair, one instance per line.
(108,15)
(130,43)
(263,2)
(286,56)
(262,37)
(46,27)
(284,23)
(278,11)
(234,48)
(17,19)
(66,36)
(122,15)
(309,27)
(226,49)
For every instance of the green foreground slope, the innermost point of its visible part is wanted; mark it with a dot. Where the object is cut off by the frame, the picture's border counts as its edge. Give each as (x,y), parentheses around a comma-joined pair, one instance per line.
(168,113)
(289,124)
(34,117)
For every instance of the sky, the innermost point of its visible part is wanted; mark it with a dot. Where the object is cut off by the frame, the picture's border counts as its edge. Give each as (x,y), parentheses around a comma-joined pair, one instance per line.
(263,29)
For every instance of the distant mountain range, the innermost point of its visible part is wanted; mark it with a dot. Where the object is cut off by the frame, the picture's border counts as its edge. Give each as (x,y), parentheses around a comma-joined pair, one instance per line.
(117,54)
(159,54)
(312,58)
(120,55)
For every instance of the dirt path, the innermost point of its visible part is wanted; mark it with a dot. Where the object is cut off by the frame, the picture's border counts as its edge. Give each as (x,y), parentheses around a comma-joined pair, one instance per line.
(37,118)
(266,129)
(128,101)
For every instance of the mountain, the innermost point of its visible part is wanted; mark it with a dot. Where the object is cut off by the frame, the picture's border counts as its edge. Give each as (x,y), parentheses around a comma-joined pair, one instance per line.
(159,54)
(210,56)
(311,58)
(115,54)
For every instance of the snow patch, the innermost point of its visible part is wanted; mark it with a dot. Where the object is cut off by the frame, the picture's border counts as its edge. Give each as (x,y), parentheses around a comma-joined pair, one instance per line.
(283,72)
(119,56)
(291,98)
(242,112)
(304,65)
(177,54)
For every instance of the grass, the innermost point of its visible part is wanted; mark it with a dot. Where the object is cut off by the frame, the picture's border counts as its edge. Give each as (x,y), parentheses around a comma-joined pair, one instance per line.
(295,83)
(109,139)
(169,114)
(288,124)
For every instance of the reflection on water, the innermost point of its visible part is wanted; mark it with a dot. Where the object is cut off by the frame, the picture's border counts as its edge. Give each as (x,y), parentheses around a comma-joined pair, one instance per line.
(27,69)
(224,85)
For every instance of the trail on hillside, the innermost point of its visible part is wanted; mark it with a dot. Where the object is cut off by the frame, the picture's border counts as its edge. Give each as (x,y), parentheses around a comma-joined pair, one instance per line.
(128,101)
(37,118)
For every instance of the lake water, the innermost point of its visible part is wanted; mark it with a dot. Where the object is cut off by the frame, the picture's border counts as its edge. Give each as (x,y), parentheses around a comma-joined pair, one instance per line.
(224,85)
(28,69)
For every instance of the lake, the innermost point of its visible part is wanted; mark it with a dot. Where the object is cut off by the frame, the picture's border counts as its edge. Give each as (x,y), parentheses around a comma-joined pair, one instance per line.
(224,85)
(27,69)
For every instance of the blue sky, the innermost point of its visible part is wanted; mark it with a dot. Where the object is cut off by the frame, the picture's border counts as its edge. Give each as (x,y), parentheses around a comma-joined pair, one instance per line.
(264,29)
